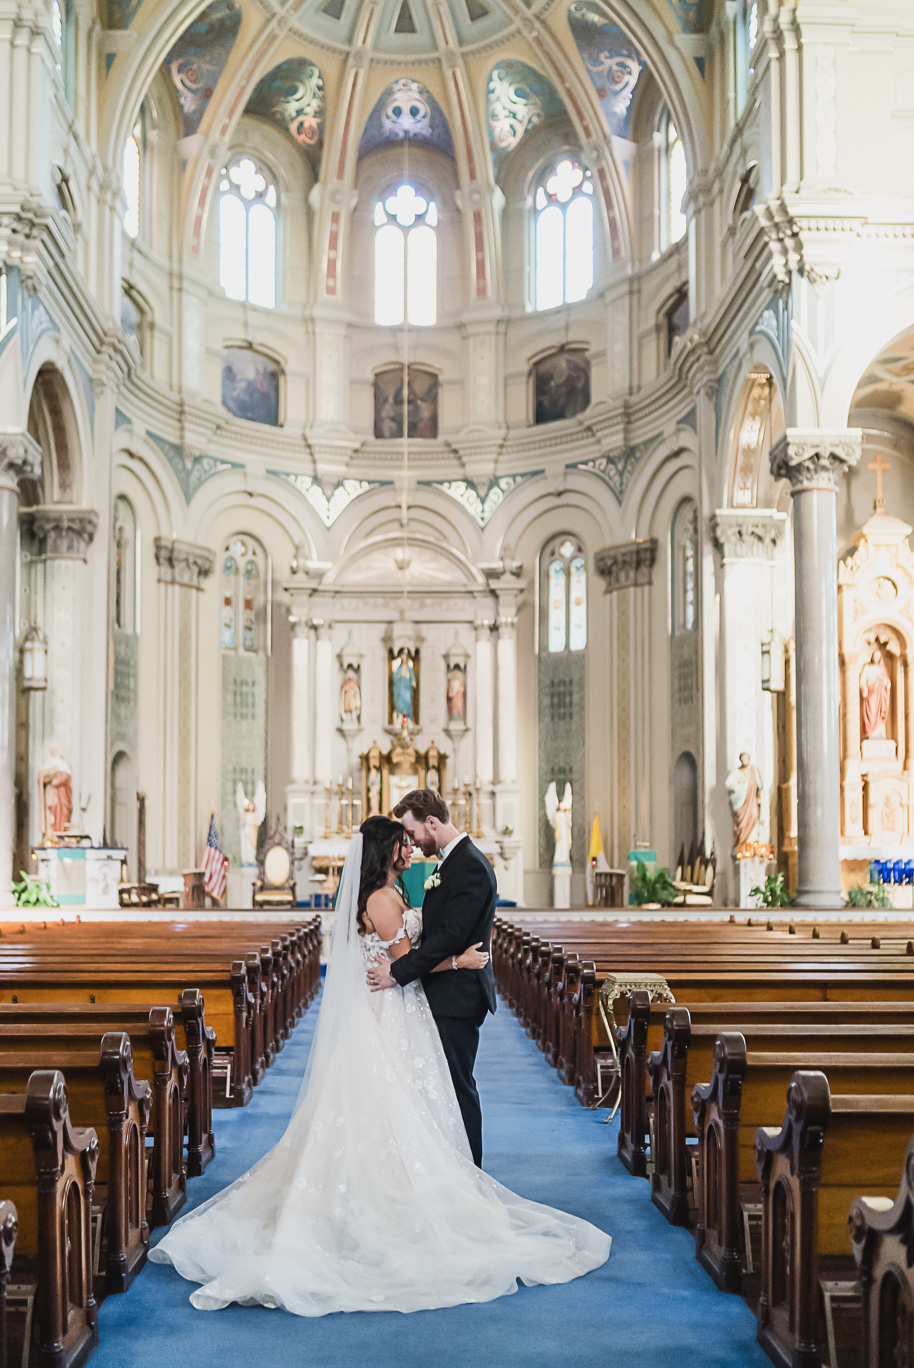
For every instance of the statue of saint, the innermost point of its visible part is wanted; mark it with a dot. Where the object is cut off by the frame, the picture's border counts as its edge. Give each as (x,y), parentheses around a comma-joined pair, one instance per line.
(745,788)
(351,695)
(402,688)
(875,691)
(55,795)
(456,695)
(374,793)
(250,814)
(559,814)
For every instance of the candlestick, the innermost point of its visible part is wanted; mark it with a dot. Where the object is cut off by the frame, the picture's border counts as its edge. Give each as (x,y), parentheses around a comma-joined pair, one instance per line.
(327,815)
(339,807)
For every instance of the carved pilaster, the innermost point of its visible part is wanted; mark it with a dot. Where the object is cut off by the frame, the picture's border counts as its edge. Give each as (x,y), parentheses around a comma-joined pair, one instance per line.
(747,534)
(20,458)
(815,458)
(183,563)
(627,564)
(63,532)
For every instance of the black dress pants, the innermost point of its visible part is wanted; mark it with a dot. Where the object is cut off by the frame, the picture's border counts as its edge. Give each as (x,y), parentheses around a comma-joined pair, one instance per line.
(460,1038)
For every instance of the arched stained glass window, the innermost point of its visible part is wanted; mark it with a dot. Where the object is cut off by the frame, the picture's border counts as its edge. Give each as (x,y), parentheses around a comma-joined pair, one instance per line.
(684,560)
(131,174)
(563,234)
(244,608)
(565,592)
(673,184)
(247,233)
(406,258)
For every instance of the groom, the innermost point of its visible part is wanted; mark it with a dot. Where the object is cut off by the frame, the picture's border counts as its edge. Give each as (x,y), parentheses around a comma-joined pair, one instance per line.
(458,911)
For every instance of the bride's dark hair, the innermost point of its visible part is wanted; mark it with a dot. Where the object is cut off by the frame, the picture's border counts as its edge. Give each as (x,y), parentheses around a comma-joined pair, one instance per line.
(381,841)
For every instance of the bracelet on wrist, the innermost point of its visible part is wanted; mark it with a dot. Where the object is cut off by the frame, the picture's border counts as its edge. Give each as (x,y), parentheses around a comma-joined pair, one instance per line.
(454,964)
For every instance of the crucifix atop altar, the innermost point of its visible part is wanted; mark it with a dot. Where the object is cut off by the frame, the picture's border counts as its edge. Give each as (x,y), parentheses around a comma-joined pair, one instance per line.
(881,467)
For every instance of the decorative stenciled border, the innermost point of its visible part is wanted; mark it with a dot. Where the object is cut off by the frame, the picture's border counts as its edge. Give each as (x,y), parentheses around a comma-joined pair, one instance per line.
(481,504)
(616,468)
(328,507)
(191,476)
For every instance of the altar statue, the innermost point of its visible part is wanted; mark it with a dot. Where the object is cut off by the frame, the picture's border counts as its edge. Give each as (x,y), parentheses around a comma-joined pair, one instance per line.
(250,815)
(55,794)
(350,695)
(456,696)
(402,688)
(744,786)
(875,691)
(559,814)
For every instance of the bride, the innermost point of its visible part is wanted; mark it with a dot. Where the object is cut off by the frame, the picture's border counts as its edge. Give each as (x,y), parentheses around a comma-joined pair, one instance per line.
(371,1200)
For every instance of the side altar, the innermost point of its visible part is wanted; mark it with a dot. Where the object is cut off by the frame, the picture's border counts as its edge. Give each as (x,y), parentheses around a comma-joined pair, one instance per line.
(876,661)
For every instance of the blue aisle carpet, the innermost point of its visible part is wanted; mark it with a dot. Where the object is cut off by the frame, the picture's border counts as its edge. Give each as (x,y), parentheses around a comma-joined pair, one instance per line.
(650,1304)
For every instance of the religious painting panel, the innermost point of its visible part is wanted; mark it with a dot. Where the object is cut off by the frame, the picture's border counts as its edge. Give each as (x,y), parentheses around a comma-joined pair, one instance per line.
(561,385)
(250,385)
(407,110)
(421,402)
(292,95)
(403,687)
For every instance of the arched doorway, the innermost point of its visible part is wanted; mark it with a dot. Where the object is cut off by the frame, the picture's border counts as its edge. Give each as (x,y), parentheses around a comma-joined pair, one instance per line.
(685,805)
(122,815)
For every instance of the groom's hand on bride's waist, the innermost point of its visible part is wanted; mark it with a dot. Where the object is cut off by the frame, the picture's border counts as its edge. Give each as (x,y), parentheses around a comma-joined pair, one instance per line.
(379,979)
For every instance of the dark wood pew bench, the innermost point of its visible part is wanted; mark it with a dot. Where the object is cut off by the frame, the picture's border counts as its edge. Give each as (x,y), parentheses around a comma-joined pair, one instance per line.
(103,1094)
(47,1168)
(882,1233)
(828,1148)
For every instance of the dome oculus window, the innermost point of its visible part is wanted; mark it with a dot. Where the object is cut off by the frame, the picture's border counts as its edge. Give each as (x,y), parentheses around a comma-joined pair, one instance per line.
(563,234)
(406,258)
(247,233)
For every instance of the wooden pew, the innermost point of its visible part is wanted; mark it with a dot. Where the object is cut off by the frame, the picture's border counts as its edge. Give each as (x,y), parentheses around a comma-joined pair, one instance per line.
(198,1042)
(47,1168)
(745,1092)
(828,1146)
(104,1094)
(882,1232)
(158,1062)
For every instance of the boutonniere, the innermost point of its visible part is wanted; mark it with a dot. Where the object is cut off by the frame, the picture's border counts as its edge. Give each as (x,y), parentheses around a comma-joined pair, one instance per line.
(433,881)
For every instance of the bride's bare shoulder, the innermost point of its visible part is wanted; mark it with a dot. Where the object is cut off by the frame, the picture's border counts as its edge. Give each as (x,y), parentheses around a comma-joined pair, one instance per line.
(385,912)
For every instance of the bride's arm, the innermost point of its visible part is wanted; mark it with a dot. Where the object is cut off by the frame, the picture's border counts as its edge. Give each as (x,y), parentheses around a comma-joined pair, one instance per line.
(385,913)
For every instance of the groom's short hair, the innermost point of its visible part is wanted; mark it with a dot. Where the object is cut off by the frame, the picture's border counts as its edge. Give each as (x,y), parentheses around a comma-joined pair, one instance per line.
(423,803)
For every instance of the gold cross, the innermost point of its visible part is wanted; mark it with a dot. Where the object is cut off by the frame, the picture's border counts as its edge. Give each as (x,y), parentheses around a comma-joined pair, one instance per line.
(880,466)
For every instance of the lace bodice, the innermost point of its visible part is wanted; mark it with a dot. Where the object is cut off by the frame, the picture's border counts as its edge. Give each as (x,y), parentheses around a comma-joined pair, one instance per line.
(373,948)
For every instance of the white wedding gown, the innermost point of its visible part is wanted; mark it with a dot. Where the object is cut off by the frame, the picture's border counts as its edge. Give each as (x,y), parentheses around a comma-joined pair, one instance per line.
(370,1201)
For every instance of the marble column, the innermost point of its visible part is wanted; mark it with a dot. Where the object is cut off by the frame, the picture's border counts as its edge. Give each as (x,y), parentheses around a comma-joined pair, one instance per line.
(484,703)
(627,571)
(747,540)
(813,462)
(301,700)
(20,456)
(182,570)
(325,700)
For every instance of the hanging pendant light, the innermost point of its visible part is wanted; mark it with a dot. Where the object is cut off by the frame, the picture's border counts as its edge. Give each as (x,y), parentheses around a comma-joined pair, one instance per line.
(35,659)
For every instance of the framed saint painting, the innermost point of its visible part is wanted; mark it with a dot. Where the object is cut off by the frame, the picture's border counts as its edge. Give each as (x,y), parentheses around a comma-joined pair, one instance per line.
(250,385)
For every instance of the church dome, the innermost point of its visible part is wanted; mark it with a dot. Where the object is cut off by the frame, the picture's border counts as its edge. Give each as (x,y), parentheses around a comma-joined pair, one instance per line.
(415,30)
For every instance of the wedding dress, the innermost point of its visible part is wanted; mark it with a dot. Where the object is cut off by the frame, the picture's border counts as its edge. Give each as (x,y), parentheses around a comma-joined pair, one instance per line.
(370,1201)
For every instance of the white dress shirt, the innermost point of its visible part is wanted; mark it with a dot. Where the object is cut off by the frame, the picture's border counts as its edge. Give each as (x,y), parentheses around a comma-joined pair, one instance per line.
(451,845)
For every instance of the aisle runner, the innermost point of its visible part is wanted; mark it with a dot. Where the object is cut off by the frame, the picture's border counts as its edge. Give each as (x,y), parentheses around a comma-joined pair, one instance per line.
(650,1304)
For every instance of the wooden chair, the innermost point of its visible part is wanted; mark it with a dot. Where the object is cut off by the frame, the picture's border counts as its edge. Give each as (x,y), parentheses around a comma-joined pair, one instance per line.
(276,884)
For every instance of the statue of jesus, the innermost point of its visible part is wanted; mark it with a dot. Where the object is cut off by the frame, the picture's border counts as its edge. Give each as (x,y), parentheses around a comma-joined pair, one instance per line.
(875,691)
(403,685)
(55,792)
(745,788)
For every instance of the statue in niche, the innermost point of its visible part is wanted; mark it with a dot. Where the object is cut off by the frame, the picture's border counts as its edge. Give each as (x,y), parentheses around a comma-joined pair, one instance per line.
(745,787)
(251,812)
(373,784)
(875,694)
(55,795)
(433,769)
(351,695)
(456,695)
(403,688)
(559,815)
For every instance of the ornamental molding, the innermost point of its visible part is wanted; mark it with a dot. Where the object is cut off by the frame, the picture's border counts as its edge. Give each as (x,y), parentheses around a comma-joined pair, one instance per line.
(183,563)
(62,532)
(747,534)
(481,504)
(627,565)
(815,458)
(191,471)
(616,468)
(20,458)
(328,507)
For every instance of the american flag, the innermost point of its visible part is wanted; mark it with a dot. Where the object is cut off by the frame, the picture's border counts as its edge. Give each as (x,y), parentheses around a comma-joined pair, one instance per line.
(214,863)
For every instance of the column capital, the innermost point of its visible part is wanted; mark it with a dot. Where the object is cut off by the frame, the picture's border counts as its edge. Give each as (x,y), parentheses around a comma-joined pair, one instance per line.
(63,532)
(627,564)
(747,533)
(20,457)
(182,562)
(815,458)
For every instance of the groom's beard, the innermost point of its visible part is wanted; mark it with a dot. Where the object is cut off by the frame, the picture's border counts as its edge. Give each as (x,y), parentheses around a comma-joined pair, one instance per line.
(428,848)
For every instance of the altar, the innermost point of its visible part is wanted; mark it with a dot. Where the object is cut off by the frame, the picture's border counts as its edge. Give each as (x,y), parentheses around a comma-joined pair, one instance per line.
(81,876)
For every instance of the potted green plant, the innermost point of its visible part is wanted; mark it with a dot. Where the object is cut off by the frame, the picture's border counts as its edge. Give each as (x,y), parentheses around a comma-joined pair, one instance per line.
(868,895)
(652,890)
(33,892)
(772,893)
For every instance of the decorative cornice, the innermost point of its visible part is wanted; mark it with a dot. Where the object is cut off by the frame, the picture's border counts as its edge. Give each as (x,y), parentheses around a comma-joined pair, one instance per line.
(628,564)
(63,532)
(815,458)
(747,533)
(20,458)
(183,563)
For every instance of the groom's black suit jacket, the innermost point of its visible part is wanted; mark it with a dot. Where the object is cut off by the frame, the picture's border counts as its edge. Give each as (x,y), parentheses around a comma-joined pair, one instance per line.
(455,915)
